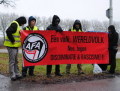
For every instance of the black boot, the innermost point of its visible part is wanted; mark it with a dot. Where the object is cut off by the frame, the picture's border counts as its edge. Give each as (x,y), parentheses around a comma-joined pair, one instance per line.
(57,70)
(24,71)
(31,70)
(58,74)
(49,69)
(68,69)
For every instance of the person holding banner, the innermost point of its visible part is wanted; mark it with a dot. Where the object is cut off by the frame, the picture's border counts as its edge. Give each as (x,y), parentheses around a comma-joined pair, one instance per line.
(54,26)
(113,48)
(77,27)
(31,27)
(12,42)
(113,44)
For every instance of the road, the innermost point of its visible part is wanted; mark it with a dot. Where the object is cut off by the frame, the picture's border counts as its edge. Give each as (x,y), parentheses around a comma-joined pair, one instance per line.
(112,84)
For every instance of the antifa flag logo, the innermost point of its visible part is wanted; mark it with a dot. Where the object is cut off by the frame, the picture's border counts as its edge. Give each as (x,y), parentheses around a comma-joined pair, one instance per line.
(34,48)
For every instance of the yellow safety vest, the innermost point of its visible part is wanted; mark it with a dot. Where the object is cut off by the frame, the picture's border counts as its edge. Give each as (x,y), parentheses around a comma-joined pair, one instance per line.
(73,30)
(28,28)
(16,36)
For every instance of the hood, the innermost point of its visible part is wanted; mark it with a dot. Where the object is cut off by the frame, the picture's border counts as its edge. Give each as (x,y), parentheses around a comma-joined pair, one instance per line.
(111,29)
(79,23)
(30,19)
(55,18)
(21,20)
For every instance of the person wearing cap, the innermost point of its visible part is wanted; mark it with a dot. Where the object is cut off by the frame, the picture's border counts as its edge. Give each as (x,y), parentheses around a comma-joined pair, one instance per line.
(54,26)
(31,27)
(77,27)
(12,42)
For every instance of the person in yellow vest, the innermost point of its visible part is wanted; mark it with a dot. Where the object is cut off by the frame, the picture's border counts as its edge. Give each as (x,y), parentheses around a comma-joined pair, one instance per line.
(31,27)
(77,27)
(12,42)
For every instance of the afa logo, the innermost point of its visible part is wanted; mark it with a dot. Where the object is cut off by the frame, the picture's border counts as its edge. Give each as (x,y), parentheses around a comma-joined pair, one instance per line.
(34,48)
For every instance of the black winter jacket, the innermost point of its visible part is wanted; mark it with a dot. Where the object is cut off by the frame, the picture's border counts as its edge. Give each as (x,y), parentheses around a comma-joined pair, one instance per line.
(52,26)
(113,40)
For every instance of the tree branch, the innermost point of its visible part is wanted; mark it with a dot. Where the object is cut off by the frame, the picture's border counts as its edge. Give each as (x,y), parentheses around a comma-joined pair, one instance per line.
(10,3)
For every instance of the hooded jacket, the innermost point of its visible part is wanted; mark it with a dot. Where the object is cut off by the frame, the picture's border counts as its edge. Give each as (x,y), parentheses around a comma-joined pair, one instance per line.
(113,38)
(29,20)
(53,26)
(75,23)
(13,28)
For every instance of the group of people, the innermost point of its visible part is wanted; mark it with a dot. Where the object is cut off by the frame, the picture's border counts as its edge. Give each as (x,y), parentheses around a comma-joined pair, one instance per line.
(12,43)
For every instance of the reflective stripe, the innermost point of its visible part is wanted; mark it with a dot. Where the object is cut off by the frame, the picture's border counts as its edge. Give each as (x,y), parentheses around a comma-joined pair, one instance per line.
(10,41)
(16,36)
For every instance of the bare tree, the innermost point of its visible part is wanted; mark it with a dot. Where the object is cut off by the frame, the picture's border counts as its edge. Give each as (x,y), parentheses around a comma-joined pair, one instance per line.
(117,26)
(97,26)
(66,24)
(5,20)
(45,22)
(38,22)
(8,2)
(85,25)
(105,25)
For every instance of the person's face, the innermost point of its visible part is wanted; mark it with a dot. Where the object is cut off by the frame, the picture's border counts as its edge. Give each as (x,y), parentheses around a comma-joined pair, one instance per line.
(109,30)
(22,25)
(56,21)
(77,26)
(32,23)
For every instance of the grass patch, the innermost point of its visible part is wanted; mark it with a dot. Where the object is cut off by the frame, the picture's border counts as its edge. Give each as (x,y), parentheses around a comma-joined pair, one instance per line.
(41,69)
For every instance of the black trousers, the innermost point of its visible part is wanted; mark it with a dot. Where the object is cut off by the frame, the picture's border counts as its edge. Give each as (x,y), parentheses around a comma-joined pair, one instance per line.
(103,66)
(49,69)
(25,69)
(112,60)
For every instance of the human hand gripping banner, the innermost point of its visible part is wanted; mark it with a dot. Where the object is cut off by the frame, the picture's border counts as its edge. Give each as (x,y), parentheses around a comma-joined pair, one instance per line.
(53,48)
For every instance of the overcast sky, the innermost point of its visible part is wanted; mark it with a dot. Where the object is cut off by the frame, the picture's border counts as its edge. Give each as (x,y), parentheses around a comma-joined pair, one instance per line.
(65,9)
